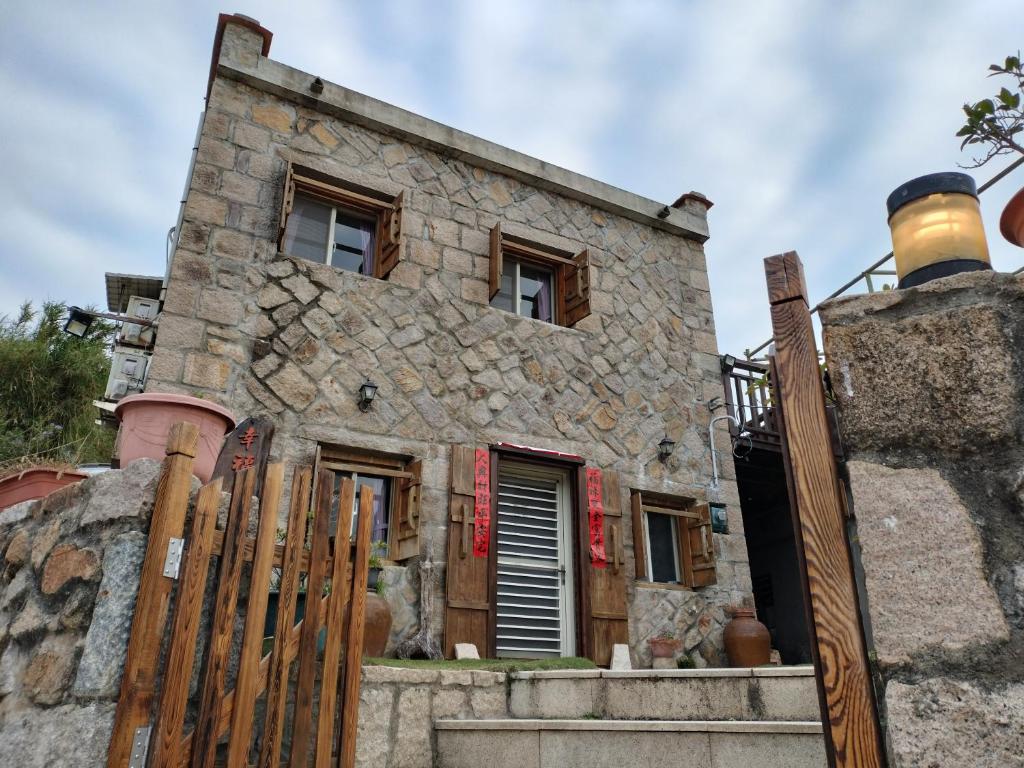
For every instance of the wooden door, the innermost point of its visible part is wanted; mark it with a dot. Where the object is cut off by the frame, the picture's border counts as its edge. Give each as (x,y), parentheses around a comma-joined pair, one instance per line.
(469,612)
(606,616)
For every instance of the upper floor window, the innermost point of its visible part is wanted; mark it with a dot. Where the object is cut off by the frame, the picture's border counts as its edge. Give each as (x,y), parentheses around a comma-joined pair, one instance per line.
(537,281)
(341,224)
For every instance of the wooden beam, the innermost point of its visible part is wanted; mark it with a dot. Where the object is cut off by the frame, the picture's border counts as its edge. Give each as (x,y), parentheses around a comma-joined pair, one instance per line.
(852,734)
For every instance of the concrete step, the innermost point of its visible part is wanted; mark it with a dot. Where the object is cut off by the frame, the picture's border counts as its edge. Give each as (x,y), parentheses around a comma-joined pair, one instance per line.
(613,744)
(761,693)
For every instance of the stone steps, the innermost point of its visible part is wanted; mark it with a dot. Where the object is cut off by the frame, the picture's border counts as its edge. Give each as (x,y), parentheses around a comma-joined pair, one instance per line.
(560,743)
(759,694)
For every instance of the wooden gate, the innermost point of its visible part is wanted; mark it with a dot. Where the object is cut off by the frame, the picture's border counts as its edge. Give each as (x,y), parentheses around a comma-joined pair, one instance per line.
(158,722)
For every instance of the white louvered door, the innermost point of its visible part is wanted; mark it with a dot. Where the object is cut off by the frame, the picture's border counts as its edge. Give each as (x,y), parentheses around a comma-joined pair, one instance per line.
(534,613)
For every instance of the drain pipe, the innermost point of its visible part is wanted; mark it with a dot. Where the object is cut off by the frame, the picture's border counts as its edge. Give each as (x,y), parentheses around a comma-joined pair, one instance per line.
(711,443)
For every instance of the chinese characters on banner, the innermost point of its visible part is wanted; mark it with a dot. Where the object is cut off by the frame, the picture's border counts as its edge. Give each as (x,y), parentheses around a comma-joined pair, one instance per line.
(595,514)
(482,508)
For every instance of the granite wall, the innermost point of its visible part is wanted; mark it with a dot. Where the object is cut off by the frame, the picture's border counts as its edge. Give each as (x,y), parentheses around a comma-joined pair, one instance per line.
(70,572)
(930,385)
(263,333)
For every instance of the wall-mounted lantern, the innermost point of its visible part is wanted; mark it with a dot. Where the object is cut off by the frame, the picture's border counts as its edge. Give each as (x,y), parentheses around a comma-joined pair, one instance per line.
(936,228)
(728,362)
(78,322)
(666,447)
(367,392)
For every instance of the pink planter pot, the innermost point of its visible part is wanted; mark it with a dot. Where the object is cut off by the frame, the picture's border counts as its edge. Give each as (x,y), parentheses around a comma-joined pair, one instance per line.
(35,483)
(147,419)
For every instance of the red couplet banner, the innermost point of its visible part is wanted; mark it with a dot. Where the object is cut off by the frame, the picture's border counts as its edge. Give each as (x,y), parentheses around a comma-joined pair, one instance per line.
(595,509)
(482,508)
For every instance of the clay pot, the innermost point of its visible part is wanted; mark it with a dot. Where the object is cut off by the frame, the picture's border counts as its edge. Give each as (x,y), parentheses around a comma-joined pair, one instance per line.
(378,625)
(663,647)
(35,483)
(1011,223)
(147,419)
(747,641)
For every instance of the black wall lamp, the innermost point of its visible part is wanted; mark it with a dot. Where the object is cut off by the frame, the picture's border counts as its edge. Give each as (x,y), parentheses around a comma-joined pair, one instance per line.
(666,447)
(367,392)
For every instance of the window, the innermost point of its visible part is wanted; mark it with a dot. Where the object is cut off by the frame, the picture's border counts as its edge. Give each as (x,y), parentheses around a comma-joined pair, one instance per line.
(340,224)
(537,281)
(672,540)
(395,483)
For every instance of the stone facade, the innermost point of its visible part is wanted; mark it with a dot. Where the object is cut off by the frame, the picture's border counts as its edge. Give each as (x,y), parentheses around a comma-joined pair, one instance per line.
(263,333)
(70,573)
(930,383)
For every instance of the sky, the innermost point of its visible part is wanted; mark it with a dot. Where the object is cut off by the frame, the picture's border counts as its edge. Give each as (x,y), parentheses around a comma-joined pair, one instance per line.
(797,118)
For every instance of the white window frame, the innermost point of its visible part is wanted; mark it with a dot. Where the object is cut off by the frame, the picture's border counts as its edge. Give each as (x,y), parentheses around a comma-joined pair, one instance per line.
(567,612)
(518,293)
(675,549)
(329,248)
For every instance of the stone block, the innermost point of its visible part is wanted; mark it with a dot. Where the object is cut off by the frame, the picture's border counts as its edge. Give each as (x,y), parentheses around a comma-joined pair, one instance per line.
(273,117)
(494,749)
(221,306)
(294,388)
(489,702)
(66,564)
(778,750)
(940,357)
(466,651)
(413,747)
(614,749)
(18,549)
(106,642)
(206,371)
(49,672)
(923,563)
(945,722)
(233,245)
(126,493)
(555,698)
(43,542)
(374,730)
(179,333)
(68,736)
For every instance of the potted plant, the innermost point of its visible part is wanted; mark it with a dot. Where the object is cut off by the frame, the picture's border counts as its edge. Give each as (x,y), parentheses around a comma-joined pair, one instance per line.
(35,481)
(995,125)
(664,645)
(147,418)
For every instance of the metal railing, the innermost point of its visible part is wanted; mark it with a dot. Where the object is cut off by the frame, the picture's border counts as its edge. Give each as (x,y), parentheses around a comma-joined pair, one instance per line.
(875,269)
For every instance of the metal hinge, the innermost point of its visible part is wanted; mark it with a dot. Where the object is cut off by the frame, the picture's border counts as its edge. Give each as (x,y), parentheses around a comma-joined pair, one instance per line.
(172,563)
(140,744)
(561,570)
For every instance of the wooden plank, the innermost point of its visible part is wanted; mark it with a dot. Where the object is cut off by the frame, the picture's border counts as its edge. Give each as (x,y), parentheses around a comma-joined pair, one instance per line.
(247,446)
(166,743)
(280,661)
(249,549)
(354,644)
(341,591)
(255,619)
(138,682)
(303,712)
(608,618)
(852,733)
(636,505)
(204,742)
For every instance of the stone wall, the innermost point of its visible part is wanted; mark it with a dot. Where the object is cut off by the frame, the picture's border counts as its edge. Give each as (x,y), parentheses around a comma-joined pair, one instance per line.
(930,384)
(70,573)
(398,708)
(266,334)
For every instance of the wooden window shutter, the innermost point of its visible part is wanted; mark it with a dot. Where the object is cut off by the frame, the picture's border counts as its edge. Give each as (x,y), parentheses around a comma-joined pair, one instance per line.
(608,622)
(698,547)
(496,265)
(406,525)
(287,203)
(639,540)
(469,614)
(576,288)
(389,253)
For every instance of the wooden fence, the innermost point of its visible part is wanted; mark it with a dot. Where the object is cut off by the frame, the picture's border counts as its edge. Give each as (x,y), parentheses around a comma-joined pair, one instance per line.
(155,703)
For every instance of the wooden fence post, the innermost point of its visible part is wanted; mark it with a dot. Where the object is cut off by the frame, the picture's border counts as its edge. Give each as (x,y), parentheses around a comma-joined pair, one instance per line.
(852,734)
(138,682)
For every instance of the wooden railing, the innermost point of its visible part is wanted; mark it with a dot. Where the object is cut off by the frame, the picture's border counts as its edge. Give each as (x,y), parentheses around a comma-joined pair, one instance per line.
(748,399)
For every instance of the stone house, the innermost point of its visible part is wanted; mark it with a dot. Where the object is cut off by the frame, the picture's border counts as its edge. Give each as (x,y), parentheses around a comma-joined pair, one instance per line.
(533,335)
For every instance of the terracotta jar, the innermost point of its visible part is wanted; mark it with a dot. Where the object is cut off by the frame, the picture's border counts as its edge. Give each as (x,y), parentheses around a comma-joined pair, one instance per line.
(747,642)
(378,625)
(1011,223)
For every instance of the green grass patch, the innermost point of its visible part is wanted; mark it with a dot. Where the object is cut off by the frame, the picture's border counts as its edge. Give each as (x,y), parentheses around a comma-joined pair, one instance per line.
(492,665)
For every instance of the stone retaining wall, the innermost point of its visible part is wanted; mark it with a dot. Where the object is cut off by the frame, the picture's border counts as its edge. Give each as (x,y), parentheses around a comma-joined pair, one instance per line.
(70,574)
(398,708)
(930,383)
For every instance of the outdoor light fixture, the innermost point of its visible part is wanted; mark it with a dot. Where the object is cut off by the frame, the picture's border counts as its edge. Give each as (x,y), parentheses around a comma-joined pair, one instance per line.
(936,228)
(728,362)
(78,322)
(665,448)
(366,394)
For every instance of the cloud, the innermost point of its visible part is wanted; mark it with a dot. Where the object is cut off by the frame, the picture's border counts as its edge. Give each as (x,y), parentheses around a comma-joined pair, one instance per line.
(796,117)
